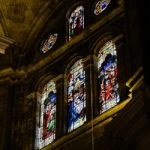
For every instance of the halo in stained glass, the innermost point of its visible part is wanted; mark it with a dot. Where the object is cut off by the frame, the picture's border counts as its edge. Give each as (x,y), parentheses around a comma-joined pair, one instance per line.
(101,6)
(76,96)
(76,22)
(107,77)
(46,128)
(49,42)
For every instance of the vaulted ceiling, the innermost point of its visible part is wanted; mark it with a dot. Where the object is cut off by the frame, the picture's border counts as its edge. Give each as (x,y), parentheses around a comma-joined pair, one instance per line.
(19,17)
(21,20)
(27,21)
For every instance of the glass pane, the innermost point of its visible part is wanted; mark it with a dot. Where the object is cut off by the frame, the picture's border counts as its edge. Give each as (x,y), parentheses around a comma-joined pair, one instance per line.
(101,6)
(107,76)
(47,116)
(76,22)
(49,42)
(76,96)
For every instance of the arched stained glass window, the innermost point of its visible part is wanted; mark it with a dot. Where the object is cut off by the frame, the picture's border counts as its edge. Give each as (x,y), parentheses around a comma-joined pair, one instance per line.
(49,42)
(46,119)
(101,6)
(76,22)
(76,96)
(107,76)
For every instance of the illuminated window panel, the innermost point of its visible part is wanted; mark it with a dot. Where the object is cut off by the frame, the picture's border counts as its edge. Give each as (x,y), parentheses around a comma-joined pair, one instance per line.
(49,42)
(101,6)
(76,96)
(46,127)
(76,22)
(107,77)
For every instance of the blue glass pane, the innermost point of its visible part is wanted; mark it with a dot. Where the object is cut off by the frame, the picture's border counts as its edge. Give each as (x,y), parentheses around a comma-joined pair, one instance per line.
(46,127)
(76,96)
(107,71)
(76,22)
(101,6)
(49,42)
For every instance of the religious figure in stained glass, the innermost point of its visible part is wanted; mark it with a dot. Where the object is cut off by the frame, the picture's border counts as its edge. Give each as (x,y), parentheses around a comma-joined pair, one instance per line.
(49,42)
(107,77)
(47,119)
(76,96)
(101,6)
(76,22)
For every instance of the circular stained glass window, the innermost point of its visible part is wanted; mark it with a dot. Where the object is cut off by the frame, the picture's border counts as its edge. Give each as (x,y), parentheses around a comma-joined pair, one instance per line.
(101,6)
(49,42)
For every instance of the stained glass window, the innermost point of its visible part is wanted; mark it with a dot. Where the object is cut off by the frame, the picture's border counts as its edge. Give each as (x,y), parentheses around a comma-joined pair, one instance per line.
(107,76)
(76,96)
(76,22)
(101,6)
(49,42)
(46,120)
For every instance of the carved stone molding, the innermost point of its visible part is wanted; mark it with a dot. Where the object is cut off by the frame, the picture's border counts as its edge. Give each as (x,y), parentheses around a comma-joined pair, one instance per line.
(5,42)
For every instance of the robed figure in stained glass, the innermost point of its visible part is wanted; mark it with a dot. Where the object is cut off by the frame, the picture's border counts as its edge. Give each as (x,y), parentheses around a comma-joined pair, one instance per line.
(76,96)
(46,120)
(76,22)
(107,77)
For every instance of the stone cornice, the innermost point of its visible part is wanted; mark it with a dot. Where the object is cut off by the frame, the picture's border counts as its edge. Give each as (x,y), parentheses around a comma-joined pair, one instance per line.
(8,74)
(86,129)
(5,42)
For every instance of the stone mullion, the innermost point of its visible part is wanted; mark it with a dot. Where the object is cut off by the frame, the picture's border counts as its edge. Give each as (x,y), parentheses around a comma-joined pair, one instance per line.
(95,87)
(60,116)
(89,81)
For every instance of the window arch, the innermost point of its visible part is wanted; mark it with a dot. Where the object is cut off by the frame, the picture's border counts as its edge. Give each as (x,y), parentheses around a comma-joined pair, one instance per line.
(48,43)
(76,21)
(46,119)
(107,77)
(76,96)
(100,6)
